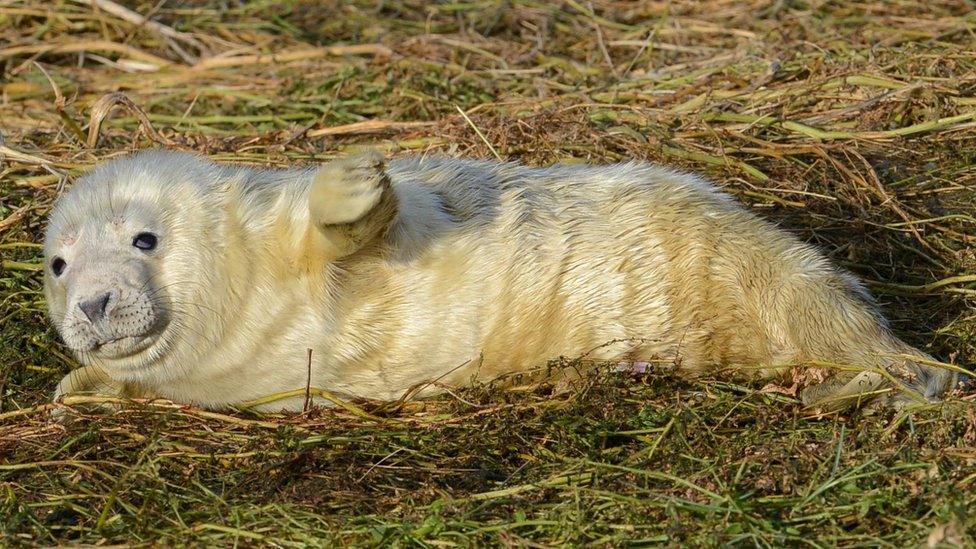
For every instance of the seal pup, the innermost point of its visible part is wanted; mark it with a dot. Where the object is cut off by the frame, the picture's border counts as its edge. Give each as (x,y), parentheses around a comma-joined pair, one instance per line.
(168,275)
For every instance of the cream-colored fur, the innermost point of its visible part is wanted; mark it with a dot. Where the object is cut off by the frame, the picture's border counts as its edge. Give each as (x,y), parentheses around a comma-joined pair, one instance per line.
(437,269)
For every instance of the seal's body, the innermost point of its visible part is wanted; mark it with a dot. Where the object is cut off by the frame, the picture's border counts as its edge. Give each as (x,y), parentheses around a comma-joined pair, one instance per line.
(174,277)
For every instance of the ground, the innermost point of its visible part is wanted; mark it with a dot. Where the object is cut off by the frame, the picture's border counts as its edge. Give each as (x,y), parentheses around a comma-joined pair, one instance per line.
(850,124)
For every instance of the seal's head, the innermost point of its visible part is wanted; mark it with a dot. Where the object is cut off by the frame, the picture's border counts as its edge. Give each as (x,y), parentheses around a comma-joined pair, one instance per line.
(127,252)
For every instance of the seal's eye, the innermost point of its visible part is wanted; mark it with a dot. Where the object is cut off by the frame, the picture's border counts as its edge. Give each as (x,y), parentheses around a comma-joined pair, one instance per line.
(144,241)
(57,266)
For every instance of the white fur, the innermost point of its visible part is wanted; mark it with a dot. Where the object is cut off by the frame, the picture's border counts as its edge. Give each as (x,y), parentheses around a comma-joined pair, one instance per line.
(487,268)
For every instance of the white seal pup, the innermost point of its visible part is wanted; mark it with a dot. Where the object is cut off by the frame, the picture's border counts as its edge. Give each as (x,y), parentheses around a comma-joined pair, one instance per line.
(171,276)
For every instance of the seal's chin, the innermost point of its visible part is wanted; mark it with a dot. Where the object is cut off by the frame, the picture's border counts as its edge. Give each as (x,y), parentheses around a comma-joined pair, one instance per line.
(125,347)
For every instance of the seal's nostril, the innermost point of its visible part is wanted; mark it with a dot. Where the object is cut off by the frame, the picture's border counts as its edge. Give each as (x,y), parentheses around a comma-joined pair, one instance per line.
(94,308)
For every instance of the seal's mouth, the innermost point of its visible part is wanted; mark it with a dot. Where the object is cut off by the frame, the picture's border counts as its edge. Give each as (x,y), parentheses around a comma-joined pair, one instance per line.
(125,347)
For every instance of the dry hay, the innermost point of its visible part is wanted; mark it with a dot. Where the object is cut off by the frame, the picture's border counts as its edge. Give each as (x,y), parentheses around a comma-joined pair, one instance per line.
(850,123)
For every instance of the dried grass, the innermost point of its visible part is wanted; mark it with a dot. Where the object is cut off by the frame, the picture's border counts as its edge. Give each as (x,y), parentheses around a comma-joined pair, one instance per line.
(850,123)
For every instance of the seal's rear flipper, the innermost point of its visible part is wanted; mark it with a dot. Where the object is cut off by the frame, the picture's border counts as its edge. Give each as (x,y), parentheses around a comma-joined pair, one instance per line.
(905,382)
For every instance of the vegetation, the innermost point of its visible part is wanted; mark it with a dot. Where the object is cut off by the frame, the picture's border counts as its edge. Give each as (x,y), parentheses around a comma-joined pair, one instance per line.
(850,123)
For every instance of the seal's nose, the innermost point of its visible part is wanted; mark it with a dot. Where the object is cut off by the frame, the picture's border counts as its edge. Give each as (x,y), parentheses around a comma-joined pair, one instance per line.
(95,307)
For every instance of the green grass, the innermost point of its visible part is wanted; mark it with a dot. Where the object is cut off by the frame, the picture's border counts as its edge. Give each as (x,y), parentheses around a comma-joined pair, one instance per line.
(849,123)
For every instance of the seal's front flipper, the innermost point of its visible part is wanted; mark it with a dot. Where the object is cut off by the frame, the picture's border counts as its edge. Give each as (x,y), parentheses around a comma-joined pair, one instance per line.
(88,381)
(352,203)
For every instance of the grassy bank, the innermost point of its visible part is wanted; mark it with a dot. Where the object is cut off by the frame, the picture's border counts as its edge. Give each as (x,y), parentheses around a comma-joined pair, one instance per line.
(851,124)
